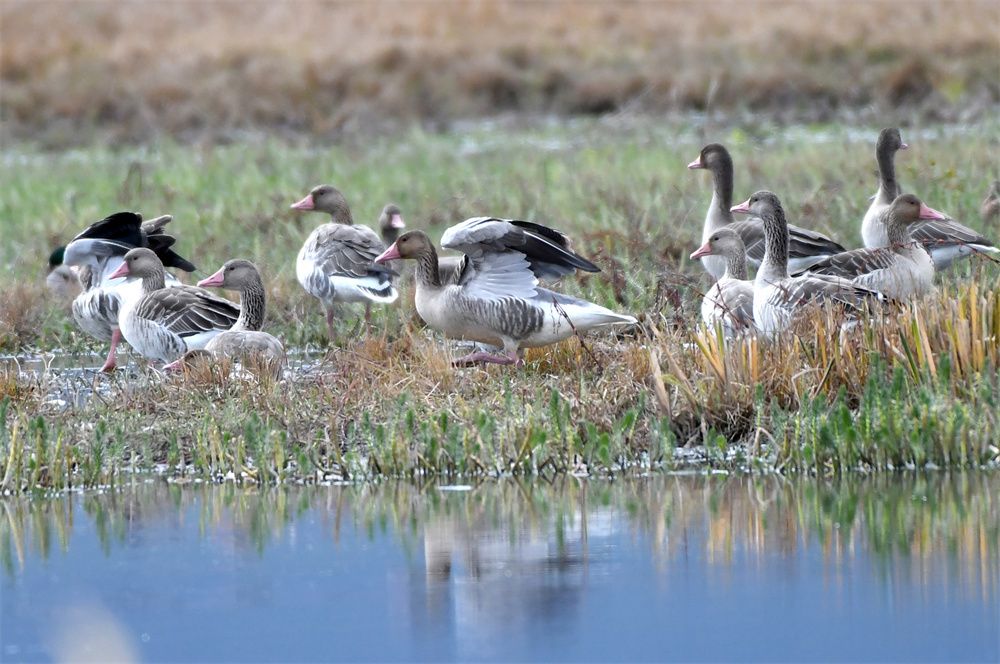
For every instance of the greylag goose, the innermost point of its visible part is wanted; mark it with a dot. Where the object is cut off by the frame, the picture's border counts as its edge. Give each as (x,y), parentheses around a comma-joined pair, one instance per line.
(945,240)
(729,302)
(900,270)
(164,323)
(496,299)
(97,253)
(989,210)
(390,223)
(244,338)
(336,263)
(805,246)
(61,280)
(777,297)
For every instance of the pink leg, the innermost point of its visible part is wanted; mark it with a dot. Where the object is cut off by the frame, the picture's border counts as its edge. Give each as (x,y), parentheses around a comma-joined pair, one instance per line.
(331,336)
(368,313)
(488,358)
(110,364)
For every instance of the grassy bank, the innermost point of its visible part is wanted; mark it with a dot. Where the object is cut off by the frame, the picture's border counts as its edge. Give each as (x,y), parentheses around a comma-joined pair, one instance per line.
(71,72)
(918,387)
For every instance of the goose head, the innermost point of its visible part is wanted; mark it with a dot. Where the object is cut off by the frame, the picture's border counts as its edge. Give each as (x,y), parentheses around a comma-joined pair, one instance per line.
(760,203)
(713,156)
(138,264)
(909,209)
(390,222)
(326,198)
(889,141)
(412,244)
(189,360)
(236,275)
(723,242)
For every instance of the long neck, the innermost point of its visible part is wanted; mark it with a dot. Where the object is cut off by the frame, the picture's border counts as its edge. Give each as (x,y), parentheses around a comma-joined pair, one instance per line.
(252,304)
(736,265)
(775,263)
(887,187)
(722,194)
(896,230)
(342,215)
(427,268)
(154,280)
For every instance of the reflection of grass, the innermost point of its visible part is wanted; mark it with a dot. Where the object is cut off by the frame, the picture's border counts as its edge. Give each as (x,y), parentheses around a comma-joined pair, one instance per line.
(142,70)
(922,518)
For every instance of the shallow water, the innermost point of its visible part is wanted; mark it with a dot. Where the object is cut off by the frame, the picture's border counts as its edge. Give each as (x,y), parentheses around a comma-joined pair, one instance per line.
(687,567)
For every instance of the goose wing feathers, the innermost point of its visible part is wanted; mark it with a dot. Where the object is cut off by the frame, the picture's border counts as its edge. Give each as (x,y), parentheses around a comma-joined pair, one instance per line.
(798,291)
(187,311)
(348,251)
(851,264)
(936,233)
(488,275)
(802,242)
(117,233)
(546,250)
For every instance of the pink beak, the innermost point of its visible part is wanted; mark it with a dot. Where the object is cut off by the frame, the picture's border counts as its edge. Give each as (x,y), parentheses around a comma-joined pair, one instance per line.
(904,146)
(176,365)
(215,280)
(695,164)
(931,213)
(390,254)
(305,204)
(122,271)
(742,207)
(396,221)
(704,250)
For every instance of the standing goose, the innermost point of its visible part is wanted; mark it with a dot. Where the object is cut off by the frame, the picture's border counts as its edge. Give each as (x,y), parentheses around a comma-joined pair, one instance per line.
(164,323)
(97,253)
(336,263)
(805,246)
(900,270)
(945,240)
(777,297)
(496,299)
(729,302)
(390,223)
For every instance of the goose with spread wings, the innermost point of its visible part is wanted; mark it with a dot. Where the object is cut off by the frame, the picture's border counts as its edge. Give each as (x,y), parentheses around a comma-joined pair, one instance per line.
(164,323)
(97,253)
(495,298)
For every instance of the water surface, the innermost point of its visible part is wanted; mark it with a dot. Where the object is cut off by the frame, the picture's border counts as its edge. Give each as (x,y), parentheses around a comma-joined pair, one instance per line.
(668,568)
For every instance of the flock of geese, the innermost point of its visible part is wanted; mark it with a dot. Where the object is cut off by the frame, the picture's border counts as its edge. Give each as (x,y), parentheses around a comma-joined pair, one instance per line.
(491,292)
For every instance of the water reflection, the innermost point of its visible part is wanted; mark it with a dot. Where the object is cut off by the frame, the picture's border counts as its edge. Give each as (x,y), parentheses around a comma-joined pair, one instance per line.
(507,567)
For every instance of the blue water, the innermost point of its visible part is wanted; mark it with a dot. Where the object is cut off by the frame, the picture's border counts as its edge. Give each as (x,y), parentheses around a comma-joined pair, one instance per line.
(670,568)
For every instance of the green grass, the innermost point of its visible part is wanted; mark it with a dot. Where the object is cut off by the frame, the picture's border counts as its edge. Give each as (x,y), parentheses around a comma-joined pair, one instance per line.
(919,389)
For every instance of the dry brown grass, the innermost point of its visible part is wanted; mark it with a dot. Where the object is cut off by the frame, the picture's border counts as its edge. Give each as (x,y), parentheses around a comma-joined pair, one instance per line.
(140,70)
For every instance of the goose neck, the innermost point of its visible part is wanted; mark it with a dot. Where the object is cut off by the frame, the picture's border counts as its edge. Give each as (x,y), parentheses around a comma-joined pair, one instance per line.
(252,306)
(427,268)
(775,263)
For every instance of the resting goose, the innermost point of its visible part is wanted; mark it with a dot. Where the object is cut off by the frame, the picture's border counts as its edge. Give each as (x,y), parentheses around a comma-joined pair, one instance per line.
(61,280)
(336,263)
(164,323)
(805,246)
(97,253)
(729,302)
(945,240)
(901,270)
(777,297)
(496,299)
(244,338)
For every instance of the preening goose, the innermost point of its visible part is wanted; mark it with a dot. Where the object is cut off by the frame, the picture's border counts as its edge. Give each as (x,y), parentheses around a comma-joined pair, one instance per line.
(244,339)
(729,302)
(97,253)
(336,263)
(390,223)
(805,246)
(901,270)
(945,240)
(496,299)
(164,323)
(777,297)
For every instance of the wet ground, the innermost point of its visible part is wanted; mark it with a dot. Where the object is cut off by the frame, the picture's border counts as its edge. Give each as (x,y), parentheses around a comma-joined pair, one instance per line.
(687,568)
